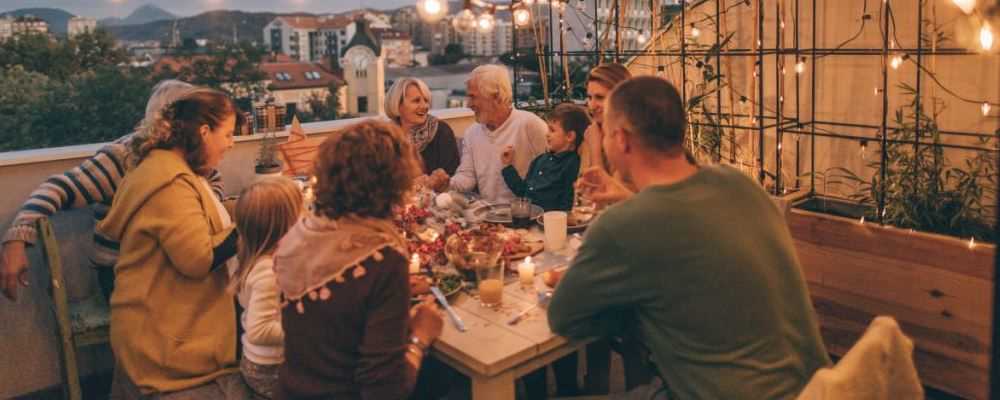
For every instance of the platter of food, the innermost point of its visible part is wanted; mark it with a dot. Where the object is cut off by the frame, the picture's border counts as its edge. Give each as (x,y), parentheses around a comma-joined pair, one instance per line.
(500,213)
(449,283)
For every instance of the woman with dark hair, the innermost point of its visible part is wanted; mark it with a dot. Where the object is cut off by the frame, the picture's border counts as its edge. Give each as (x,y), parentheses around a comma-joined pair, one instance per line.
(172,321)
(349,329)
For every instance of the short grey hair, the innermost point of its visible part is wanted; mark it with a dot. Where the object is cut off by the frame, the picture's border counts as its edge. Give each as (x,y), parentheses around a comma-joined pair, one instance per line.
(164,93)
(394,98)
(493,81)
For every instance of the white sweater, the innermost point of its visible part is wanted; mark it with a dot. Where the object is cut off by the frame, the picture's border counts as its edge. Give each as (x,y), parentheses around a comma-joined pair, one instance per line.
(481,148)
(263,339)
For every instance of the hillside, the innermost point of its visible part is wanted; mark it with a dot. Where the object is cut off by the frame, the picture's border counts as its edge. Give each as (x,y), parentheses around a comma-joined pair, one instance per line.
(212,25)
(56,18)
(142,15)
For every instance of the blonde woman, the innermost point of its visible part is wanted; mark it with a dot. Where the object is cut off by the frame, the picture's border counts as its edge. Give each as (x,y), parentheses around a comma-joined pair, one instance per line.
(264,213)
(407,104)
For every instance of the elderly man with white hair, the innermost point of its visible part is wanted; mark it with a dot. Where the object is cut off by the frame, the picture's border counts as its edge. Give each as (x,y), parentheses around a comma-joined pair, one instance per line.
(498,125)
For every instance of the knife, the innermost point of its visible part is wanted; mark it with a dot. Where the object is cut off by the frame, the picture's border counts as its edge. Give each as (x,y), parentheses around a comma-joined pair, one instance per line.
(447,307)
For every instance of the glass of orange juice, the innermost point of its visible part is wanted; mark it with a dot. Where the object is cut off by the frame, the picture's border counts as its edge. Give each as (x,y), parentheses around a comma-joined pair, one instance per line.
(490,278)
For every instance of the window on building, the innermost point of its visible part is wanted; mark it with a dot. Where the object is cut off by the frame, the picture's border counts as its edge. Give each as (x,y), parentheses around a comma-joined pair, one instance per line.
(362,104)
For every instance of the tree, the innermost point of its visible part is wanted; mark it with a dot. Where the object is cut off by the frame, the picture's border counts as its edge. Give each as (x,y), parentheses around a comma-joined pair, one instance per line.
(94,49)
(234,68)
(322,108)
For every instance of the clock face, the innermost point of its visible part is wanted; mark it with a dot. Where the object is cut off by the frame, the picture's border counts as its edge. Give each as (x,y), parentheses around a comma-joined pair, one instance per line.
(359,57)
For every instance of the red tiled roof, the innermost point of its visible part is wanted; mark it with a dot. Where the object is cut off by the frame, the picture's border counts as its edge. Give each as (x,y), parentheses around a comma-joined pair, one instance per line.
(313,23)
(297,77)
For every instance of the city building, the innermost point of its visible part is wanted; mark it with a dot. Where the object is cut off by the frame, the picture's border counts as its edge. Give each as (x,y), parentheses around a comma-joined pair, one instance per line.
(29,23)
(491,43)
(635,19)
(308,38)
(364,71)
(396,46)
(295,83)
(6,27)
(78,25)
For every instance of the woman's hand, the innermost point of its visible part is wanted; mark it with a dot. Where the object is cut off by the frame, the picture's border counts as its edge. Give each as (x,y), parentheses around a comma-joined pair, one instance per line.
(597,185)
(426,322)
(439,180)
(14,269)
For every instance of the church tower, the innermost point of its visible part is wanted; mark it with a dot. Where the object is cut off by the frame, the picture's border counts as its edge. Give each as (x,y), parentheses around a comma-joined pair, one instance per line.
(364,71)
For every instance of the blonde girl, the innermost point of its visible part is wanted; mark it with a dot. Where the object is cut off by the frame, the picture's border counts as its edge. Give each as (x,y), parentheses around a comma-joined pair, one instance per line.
(264,213)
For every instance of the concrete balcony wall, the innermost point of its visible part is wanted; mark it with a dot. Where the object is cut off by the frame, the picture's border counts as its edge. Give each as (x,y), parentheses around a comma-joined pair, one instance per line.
(29,357)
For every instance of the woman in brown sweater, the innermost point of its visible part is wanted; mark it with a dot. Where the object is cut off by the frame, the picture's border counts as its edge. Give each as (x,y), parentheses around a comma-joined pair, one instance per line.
(343,275)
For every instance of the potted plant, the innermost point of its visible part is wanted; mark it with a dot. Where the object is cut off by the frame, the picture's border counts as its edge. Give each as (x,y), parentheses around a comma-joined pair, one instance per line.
(929,264)
(267,162)
(269,119)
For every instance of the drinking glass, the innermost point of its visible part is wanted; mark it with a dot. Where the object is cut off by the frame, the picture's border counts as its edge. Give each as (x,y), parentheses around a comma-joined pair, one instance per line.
(490,278)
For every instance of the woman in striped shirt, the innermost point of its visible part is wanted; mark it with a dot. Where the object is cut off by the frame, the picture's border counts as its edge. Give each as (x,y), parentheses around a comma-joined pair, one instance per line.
(92,183)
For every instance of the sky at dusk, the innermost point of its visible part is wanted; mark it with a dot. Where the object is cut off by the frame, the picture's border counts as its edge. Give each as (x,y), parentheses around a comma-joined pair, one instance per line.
(121,8)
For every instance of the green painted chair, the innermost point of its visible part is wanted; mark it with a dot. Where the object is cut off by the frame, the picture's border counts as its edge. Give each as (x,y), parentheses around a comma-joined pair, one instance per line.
(83,323)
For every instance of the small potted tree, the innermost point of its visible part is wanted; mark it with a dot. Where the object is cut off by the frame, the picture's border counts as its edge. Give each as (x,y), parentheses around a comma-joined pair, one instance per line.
(266,119)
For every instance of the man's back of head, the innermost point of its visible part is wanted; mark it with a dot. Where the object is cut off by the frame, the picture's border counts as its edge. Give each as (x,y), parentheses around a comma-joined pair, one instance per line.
(651,109)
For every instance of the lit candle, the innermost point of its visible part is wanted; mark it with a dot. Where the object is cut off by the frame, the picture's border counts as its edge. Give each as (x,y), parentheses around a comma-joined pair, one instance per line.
(415,264)
(526,272)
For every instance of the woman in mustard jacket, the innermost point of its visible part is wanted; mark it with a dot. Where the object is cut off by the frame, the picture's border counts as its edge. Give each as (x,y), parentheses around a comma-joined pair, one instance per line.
(172,321)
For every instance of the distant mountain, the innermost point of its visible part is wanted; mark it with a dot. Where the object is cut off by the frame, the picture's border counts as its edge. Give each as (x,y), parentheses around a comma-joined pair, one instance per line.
(56,18)
(142,15)
(213,25)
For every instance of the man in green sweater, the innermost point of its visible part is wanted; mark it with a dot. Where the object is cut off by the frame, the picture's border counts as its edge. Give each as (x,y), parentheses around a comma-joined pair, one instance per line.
(699,264)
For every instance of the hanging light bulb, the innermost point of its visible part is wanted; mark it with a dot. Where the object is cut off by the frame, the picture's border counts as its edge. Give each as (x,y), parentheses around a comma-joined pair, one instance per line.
(485,22)
(522,17)
(800,66)
(986,108)
(465,21)
(694,31)
(896,60)
(965,5)
(528,2)
(432,10)
(559,5)
(641,39)
(986,37)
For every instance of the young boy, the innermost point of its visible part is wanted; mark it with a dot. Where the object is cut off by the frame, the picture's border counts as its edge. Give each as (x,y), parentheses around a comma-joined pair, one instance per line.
(549,182)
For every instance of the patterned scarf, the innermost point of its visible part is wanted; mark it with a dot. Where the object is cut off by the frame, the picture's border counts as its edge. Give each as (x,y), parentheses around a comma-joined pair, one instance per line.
(318,250)
(423,134)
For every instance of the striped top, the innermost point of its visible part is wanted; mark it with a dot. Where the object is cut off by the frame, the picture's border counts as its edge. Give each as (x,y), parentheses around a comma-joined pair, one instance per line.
(92,183)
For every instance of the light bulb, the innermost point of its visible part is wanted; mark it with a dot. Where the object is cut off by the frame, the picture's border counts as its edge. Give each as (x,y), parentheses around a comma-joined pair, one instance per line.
(985,108)
(965,5)
(695,32)
(641,38)
(432,10)
(986,37)
(800,67)
(432,6)
(522,17)
(528,2)
(896,60)
(485,23)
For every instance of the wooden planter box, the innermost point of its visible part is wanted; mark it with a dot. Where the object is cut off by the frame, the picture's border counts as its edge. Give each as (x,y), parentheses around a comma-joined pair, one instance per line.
(937,287)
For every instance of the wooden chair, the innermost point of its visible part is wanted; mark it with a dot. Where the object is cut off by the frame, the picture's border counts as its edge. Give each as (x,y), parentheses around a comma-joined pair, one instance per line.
(82,323)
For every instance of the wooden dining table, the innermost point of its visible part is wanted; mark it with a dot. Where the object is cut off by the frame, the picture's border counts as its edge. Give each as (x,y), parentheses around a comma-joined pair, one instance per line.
(493,353)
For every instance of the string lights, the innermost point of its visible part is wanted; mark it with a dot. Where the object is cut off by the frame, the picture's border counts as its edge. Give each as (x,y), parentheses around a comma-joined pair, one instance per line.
(986,37)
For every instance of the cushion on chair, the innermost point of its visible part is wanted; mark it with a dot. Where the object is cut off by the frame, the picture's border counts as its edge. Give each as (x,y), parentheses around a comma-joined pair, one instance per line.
(89,315)
(878,367)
